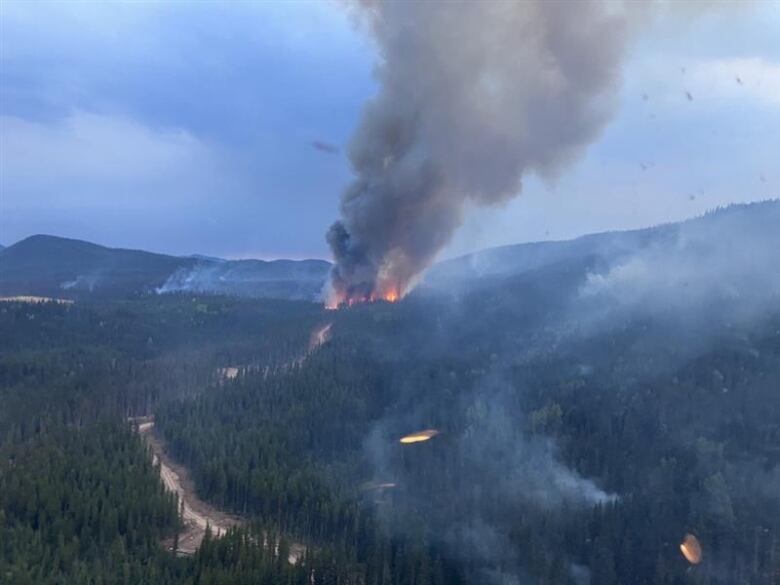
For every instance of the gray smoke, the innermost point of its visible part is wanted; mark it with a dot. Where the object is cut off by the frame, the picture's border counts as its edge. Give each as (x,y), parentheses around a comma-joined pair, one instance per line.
(472,96)
(502,474)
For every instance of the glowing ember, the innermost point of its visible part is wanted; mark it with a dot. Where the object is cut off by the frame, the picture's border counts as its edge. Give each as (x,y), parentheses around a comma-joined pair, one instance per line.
(419,436)
(691,549)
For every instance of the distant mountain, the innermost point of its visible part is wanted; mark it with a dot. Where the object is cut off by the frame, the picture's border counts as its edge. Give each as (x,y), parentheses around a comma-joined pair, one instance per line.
(597,253)
(687,279)
(725,249)
(61,267)
(288,279)
(53,266)
(206,258)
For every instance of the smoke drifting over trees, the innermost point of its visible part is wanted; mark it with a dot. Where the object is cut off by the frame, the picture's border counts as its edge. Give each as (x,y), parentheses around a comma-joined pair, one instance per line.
(472,96)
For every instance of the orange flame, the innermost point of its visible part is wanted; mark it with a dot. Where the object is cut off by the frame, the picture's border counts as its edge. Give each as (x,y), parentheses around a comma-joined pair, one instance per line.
(389,293)
(391,296)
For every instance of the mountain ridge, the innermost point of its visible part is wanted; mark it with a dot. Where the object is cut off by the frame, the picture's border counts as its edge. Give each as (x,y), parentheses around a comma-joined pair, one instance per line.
(531,255)
(56,266)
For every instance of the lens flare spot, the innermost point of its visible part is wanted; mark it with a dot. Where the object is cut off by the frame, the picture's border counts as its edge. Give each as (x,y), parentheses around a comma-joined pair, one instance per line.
(691,549)
(419,436)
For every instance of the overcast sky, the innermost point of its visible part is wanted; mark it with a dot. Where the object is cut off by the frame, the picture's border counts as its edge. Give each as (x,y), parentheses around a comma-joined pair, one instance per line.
(221,129)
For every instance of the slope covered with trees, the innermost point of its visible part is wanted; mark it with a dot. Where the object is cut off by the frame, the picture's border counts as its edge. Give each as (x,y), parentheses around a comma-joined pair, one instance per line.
(585,424)
(675,441)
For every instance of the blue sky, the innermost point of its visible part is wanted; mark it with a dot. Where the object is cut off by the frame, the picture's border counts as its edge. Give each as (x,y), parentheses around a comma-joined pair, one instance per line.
(188,127)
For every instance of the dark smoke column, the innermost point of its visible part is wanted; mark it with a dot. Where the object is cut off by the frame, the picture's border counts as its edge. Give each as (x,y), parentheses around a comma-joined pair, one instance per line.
(472,96)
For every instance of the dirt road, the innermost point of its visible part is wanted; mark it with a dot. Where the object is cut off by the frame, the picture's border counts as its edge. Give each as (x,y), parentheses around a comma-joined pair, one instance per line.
(197,514)
(320,336)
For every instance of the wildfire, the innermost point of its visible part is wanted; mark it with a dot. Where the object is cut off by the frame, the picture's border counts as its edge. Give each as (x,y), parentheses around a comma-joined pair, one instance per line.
(419,436)
(691,549)
(386,293)
(391,297)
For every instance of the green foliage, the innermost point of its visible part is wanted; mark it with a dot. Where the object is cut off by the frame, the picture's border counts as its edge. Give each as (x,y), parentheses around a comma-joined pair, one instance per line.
(81,504)
(688,439)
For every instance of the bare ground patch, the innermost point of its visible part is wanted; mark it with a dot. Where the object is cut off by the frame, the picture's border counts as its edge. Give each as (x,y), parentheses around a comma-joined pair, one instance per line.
(197,514)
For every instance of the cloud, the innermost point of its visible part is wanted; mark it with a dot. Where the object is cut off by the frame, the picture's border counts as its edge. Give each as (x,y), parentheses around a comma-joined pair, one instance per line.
(238,73)
(239,90)
(92,147)
(186,114)
(111,179)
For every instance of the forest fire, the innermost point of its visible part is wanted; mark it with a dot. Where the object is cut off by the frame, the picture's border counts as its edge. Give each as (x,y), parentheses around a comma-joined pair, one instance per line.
(339,299)
(419,436)
(391,296)
(691,549)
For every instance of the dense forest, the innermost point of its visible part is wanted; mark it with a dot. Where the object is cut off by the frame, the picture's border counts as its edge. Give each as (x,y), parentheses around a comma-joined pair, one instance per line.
(565,454)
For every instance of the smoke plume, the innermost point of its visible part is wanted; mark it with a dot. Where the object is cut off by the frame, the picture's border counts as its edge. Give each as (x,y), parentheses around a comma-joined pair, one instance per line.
(490,475)
(472,95)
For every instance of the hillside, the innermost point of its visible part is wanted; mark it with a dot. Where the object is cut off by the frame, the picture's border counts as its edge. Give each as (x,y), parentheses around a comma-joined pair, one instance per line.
(54,266)
(287,279)
(606,247)
(62,267)
(592,409)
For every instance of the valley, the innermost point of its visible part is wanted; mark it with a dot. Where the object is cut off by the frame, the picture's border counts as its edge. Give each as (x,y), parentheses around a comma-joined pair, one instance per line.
(389,292)
(542,407)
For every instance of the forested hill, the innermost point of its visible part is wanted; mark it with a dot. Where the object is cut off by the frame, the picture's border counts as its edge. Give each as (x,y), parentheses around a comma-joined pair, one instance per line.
(733,222)
(80,500)
(53,266)
(583,421)
(61,267)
